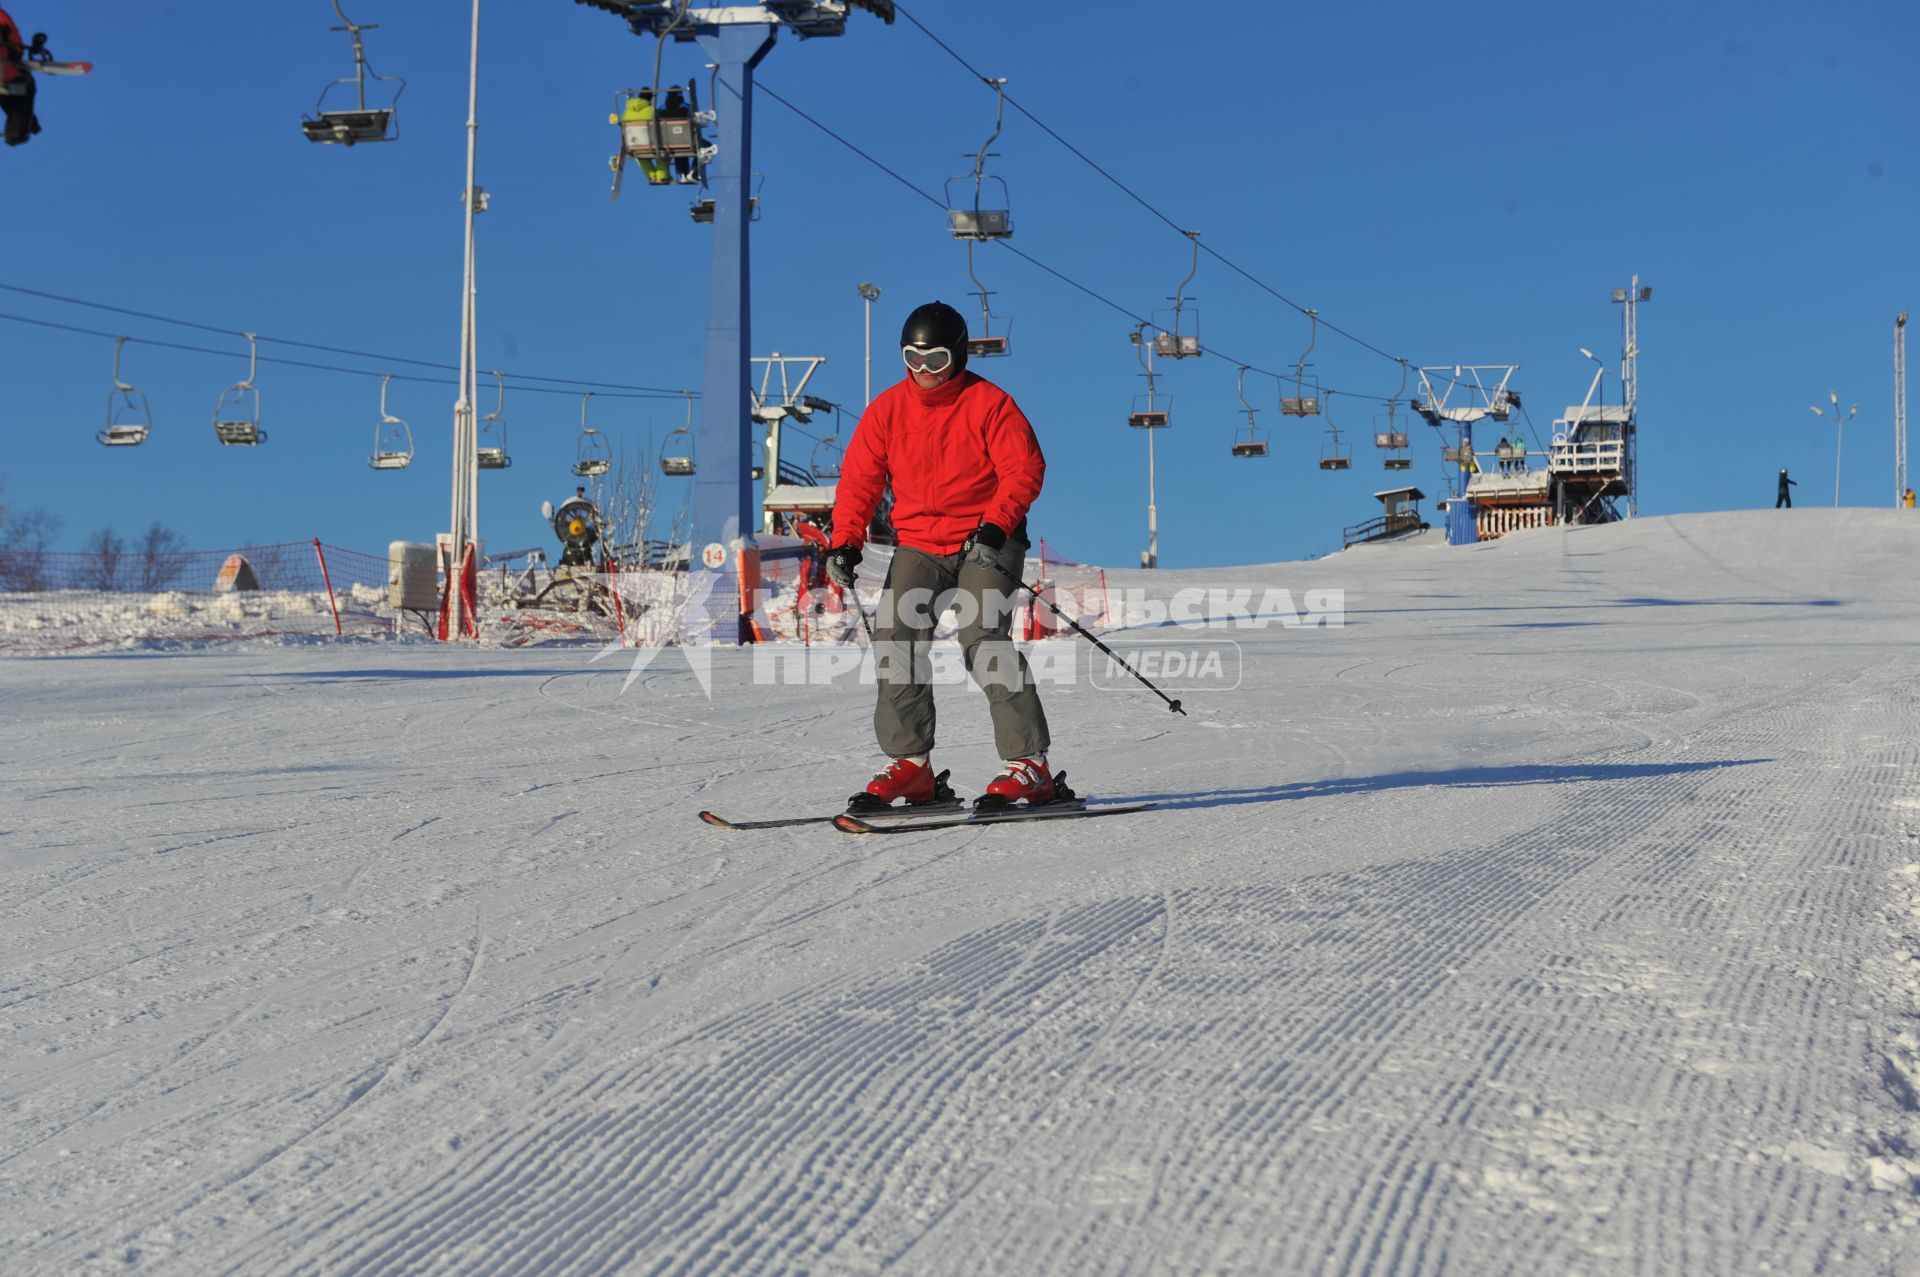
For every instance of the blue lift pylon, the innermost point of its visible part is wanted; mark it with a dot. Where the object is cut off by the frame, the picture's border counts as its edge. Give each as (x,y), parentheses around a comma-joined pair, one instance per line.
(736,37)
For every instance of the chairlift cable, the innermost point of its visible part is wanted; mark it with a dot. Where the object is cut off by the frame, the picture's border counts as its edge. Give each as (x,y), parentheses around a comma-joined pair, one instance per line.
(660,391)
(290,363)
(1134,195)
(762,87)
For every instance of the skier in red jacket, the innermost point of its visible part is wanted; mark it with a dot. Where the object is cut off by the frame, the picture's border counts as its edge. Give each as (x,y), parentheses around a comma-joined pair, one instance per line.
(965,468)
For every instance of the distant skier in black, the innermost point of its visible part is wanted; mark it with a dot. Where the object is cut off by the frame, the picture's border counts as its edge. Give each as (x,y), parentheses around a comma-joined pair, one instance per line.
(675,107)
(1785,498)
(17,88)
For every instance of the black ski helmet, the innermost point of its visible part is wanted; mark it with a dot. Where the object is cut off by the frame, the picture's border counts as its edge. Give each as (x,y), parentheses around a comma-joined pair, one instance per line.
(937,324)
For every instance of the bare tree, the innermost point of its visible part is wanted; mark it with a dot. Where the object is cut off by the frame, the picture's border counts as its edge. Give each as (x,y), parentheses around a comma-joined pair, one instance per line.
(162,558)
(100,569)
(625,501)
(24,541)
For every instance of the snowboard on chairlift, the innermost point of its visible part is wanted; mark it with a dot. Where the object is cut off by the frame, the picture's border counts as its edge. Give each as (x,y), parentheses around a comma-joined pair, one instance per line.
(57,68)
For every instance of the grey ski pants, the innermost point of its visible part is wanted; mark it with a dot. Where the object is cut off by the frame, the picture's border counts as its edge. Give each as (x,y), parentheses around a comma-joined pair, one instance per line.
(920,587)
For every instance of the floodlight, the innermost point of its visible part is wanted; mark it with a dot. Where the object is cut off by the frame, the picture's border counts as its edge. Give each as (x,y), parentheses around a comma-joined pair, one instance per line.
(1619,294)
(1586,352)
(1646,292)
(1833,397)
(868,291)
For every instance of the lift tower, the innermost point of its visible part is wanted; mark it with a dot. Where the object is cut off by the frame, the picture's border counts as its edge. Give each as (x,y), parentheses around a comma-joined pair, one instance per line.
(736,37)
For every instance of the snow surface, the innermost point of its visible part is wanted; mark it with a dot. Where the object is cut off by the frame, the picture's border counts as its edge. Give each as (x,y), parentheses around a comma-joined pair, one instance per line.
(1560,913)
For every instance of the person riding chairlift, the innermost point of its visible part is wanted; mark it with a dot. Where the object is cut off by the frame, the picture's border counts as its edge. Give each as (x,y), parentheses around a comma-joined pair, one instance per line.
(17,88)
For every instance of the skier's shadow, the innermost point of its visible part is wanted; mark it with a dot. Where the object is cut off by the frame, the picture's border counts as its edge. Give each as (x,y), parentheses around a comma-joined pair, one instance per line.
(1459,778)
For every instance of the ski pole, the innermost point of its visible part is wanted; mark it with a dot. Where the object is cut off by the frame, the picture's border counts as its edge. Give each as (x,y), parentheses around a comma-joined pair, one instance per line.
(1172,704)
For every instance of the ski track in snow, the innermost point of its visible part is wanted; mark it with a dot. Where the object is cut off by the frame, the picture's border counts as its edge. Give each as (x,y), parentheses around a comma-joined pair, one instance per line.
(1560,914)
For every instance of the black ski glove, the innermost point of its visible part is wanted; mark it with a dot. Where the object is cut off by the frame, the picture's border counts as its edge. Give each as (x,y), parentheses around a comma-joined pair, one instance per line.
(841,563)
(983,548)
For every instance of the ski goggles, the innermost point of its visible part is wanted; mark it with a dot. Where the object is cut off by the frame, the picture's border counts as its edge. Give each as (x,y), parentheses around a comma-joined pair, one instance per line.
(934,359)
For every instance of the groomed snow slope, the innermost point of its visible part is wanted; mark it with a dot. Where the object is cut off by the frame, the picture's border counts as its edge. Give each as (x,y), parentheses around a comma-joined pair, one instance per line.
(1558,914)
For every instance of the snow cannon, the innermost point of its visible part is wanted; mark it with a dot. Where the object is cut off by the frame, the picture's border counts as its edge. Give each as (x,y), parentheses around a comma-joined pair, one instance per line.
(577,524)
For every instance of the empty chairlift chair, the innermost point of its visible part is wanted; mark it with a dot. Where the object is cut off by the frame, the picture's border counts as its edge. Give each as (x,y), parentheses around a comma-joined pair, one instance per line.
(349,125)
(1251,442)
(392,438)
(825,462)
(1305,399)
(592,456)
(129,420)
(490,439)
(983,212)
(1387,433)
(701,210)
(1333,456)
(1177,330)
(676,450)
(236,416)
(1150,412)
(676,453)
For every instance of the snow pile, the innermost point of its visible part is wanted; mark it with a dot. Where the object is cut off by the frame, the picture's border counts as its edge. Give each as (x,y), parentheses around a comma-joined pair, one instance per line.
(79,620)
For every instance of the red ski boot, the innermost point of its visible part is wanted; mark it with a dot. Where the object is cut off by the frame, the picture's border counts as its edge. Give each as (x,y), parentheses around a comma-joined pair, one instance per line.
(905,780)
(1021,780)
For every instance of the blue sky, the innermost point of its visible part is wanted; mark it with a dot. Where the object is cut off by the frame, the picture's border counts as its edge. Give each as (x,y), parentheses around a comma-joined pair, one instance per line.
(1451,182)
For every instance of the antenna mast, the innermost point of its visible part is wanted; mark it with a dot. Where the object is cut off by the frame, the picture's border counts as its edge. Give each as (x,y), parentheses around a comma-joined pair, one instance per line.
(1900,410)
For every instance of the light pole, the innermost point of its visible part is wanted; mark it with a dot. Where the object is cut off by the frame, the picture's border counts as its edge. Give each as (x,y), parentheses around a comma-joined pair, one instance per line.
(463,530)
(869,294)
(1839,435)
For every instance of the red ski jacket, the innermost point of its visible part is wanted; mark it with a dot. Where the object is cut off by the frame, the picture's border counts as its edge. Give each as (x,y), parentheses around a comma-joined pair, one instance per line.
(959,455)
(12,49)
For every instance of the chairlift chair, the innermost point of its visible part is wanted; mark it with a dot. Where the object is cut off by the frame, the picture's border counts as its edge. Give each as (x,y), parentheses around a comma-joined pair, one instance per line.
(129,420)
(1148,414)
(988,214)
(1301,403)
(827,467)
(671,149)
(236,416)
(1388,435)
(348,126)
(1251,442)
(676,461)
(986,342)
(1331,456)
(701,210)
(1177,331)
(392,438)
(592,457)
(490,439)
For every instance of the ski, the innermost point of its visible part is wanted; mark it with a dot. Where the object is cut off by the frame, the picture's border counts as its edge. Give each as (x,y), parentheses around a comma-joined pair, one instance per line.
(882,815)
(944,804)
(57,68)
(1046,811)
